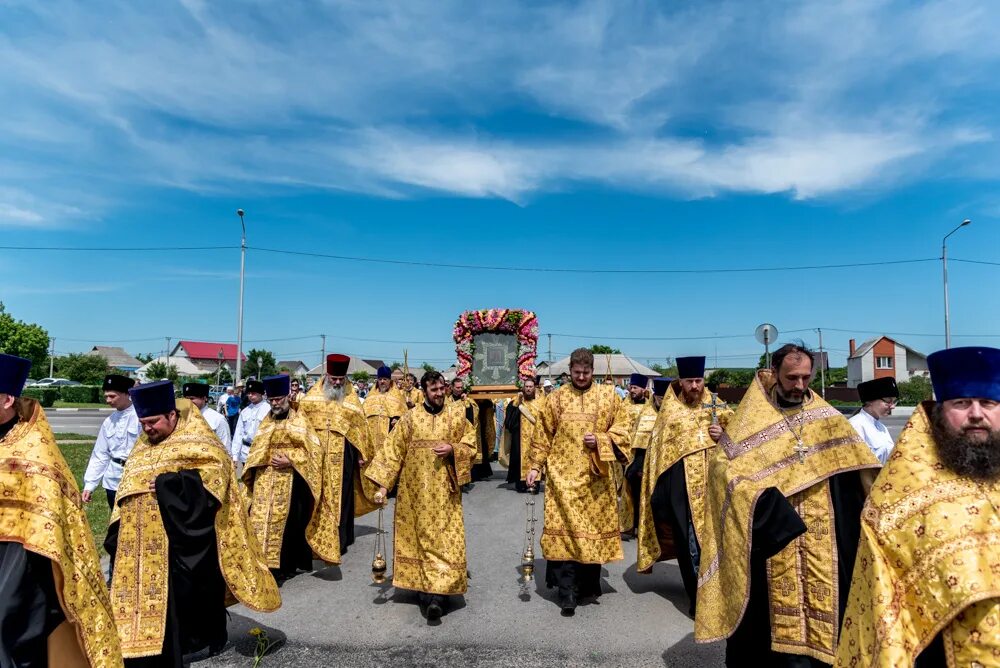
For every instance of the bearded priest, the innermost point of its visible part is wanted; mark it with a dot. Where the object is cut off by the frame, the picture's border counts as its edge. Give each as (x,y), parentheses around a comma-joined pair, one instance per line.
(584,432)
(54,608)
(335,413)
(689,425)
(429,454)
(782,521)
(383,408)
(284,474)
(179,531)
(643,409)
(519,423)
(926,588)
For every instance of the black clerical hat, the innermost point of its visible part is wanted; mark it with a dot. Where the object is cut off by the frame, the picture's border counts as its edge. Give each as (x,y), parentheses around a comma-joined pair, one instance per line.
(13,374)
(660,385)
(255,386)
(199,390)
(878,389)
(638,379)
(117,383)
(277,386)
(691,367)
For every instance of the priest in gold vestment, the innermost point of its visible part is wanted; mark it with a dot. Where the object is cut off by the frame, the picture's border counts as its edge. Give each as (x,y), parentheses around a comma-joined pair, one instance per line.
(642,409)
(284,475)
(926,588)
(584,432)
(458,398)
(182,542)
(519,424)
(336,415)
(675,480)
(782,521)
(54,608)
(429,454)
(383,408)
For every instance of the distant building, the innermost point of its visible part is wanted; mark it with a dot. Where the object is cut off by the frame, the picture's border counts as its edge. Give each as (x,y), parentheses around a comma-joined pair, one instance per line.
(207,356)
(883,357)
(295,368)
(117,358)
(619,366)
(354,366)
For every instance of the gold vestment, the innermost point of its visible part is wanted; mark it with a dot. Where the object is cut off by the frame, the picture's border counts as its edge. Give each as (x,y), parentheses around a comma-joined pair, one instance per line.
(928,563)
(336,423)
(429,543)
(271,488)
(463,405)
(40,508)
(381,408)
(530,413)
(680,432)
(139,584)
(759,450)
(581,503)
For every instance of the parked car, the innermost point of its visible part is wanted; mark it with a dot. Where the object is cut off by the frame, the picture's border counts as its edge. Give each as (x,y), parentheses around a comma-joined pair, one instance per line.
(53,382)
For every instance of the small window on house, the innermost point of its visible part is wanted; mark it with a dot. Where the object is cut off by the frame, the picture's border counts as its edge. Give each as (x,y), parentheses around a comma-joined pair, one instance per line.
(883,362)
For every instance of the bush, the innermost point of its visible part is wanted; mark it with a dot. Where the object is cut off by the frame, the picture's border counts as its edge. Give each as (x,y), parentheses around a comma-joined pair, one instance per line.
(915,390)
(80,394)
(46,396)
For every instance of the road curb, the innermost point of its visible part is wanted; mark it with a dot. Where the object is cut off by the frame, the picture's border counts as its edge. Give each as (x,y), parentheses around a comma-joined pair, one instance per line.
(78,410)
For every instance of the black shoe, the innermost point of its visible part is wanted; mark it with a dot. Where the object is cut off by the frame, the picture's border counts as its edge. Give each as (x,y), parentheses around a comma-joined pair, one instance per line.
(434,611)
(567,603)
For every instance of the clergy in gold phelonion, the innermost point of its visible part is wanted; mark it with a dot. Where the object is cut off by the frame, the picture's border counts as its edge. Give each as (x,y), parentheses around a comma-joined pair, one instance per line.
(430,454)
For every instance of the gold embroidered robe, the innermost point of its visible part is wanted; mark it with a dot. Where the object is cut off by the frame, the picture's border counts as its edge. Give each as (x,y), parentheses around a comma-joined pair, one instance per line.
(381,408)
(464,405)
(643,418)
(581,502)
(429,530)
(335,424)
(530,414)
(271,488)
(758,451)
(681,433)
(40,508)
(928,563)
(139,584)
(414,395)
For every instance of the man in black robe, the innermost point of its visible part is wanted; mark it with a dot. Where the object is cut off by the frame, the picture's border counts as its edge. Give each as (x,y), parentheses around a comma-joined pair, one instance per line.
(520,420)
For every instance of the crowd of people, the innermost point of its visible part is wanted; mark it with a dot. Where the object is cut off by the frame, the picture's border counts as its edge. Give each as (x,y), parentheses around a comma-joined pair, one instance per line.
(803,538)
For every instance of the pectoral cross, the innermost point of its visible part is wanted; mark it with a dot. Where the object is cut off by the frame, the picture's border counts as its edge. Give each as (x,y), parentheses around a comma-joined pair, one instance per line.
(801,449)
(715,405)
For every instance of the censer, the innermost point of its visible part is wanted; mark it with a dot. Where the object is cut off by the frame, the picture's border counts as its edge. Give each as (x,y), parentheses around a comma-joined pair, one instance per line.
(379,566)
(528,555)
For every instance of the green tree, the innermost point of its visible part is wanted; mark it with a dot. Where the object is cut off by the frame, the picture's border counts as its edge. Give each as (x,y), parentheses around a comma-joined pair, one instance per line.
(26,340)
(396,365)
(834,376)
(601,349)
(361,375)
(86,369)
(145,358)
(667,371)
(160,371)
(915,390)
(426,366)
(260,363)
(732,377)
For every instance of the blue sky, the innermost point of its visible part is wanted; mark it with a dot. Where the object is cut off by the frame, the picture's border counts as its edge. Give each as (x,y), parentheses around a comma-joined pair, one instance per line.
(596,135)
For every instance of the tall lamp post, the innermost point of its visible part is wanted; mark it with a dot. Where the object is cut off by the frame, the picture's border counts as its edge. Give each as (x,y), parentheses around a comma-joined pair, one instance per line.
(239,335)
(944,266)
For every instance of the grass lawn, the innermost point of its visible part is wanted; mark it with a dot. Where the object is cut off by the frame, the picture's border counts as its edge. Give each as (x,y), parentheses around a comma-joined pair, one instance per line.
(70,436)
(77,455)
(68,404)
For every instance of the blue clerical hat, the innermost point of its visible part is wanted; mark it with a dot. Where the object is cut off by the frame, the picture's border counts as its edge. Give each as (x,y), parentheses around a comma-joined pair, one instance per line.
(660,385)
(383,372)
(971,372)
(13,373)
(153,398)
(691,367)
(638,379)
(277,386)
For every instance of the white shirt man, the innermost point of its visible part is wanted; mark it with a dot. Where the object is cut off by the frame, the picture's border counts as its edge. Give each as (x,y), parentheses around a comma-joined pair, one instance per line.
(114,441)
(198,394)
(878,397)
(249,420)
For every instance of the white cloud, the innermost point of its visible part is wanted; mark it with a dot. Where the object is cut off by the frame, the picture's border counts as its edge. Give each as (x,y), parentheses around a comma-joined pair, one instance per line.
(394,98)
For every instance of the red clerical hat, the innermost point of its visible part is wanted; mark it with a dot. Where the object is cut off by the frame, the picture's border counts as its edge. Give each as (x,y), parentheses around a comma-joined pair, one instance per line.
(336,365)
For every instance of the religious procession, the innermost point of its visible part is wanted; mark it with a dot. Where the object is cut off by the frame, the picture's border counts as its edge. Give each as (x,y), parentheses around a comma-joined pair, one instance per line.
(803,536)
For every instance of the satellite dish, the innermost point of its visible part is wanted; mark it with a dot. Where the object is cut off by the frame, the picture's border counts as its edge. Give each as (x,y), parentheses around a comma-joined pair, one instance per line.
(766,334)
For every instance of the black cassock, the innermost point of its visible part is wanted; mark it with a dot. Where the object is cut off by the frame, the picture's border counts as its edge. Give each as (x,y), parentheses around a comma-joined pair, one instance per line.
(29,607)
(483,470)
(633,475)
(196,590)
(512,424)
(346,528)
(775,525)
(670,505)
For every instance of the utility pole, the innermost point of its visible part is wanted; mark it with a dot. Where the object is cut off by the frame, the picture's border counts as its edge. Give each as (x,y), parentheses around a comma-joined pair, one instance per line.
(822,364)
(944,267)
(168,357)
(550,358)
(52,357)
(322,359)
(239,334)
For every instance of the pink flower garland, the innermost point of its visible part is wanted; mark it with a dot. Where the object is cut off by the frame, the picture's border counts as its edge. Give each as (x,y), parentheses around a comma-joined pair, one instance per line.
(524,324)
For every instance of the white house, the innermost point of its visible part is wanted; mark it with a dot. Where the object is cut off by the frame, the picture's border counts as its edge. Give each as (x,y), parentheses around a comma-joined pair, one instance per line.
(883,357)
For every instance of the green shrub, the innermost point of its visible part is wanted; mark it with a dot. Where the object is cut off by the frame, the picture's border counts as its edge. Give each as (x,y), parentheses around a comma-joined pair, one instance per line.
(915,390)
(80,394)
(46,396)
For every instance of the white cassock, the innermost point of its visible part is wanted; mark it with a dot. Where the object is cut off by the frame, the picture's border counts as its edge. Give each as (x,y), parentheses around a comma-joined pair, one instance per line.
(875,433)
(114,444)
(219,425)
(246,428)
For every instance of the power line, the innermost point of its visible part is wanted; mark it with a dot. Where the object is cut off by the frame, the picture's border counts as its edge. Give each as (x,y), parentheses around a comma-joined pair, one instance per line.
(118,249)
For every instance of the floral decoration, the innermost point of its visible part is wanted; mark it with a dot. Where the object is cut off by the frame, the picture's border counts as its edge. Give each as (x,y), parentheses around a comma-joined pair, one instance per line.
(523,324)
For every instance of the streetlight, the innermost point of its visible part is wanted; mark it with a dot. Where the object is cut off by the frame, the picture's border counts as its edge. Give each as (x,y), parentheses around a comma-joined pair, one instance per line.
(944,265)
(239,335)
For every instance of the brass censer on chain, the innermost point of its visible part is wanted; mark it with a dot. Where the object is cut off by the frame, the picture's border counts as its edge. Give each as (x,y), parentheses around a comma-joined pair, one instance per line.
(379,565)
(528,555)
